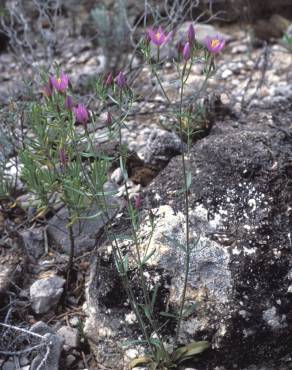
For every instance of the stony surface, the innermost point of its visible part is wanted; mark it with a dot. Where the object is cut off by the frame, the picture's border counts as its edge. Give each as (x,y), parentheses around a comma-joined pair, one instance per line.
(49,357)
(46,293)
(240,276)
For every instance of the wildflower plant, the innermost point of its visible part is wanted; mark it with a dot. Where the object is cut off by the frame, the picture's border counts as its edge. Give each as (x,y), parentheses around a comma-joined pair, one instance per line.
(54,163)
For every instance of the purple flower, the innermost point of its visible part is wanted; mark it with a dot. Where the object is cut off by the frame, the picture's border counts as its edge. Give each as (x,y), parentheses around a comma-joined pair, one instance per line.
(158,37)
(214,44)
(69,102)
(121,80)
(61,83)
(81,114)
(109,79)
(47,90)
(187,51)
(191,34)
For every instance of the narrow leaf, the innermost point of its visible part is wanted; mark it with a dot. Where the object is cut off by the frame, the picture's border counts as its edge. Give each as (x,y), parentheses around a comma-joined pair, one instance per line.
(154,295)
(140,361)
(188,180)
(147,257)
(190,350)
(188,311)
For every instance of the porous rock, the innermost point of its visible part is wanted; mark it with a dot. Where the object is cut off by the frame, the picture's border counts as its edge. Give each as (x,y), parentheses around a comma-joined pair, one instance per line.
(240,206)
(240,232)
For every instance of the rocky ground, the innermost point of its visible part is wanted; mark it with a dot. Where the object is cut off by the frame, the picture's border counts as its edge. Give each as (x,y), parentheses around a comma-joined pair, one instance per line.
(240,201)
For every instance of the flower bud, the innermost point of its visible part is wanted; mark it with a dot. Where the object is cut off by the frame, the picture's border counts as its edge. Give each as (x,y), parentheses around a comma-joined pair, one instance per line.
(81,114)
(191,34)
(121,80)
(68,102)
(187,51)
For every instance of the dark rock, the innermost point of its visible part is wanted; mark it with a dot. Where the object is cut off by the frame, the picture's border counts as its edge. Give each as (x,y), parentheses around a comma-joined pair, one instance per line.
(161,146)
(240,202)
(269,30)
(240,275)
(252,10)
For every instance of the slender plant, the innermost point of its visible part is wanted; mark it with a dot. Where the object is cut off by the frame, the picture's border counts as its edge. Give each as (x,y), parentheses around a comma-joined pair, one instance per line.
(55,162)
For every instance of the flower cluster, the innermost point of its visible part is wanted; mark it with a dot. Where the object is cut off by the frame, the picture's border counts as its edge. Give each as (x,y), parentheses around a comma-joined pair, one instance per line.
(61,84)
(158,38)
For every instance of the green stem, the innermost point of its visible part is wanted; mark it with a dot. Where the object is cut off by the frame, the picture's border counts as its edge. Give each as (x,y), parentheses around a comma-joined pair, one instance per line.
(154,71)
(72,250)
(186,193)
(117,253)
(137,246)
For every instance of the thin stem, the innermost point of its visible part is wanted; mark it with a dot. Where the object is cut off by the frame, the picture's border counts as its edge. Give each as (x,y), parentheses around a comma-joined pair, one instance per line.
(186,193)
(154,71)
(161,86)
(137,246)
(117,253)
(72,250)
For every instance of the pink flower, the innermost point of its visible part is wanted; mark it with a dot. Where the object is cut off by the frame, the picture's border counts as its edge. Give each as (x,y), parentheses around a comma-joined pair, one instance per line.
(158,37)
(214,44)
(69,102)
(61,83)
(109,79)
(187,51)
(81,114)
(121,80)
(191,34)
